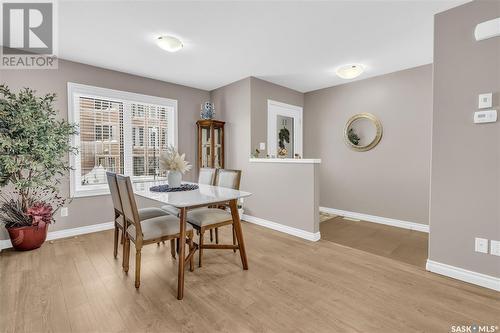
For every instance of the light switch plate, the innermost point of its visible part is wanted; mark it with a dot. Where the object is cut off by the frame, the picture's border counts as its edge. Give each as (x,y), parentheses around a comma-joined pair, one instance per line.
(262,146)
(485,101)
(495,247)
(481,245)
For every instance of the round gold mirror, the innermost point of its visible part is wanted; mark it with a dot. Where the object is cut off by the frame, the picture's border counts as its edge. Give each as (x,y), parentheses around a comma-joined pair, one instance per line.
(363,132)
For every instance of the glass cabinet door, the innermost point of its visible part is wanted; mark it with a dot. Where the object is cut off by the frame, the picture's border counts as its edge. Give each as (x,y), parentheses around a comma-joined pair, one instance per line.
(206,147)
(218,147)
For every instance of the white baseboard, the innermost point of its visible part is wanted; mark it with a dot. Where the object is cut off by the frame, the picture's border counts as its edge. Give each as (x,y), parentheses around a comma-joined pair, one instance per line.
(5,244)
(458,273)
(377,219)
(311,236)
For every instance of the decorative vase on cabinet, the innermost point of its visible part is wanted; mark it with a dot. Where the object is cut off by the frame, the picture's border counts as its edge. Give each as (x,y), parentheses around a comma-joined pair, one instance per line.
(210,143)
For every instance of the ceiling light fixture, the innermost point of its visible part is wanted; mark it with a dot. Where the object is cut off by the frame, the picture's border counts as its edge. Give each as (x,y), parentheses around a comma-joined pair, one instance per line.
(349,71)
(169,43)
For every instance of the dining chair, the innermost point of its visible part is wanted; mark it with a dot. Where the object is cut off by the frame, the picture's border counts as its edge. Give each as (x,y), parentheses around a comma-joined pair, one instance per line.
(149,231)
(208,218)
(205,176)
(119,220)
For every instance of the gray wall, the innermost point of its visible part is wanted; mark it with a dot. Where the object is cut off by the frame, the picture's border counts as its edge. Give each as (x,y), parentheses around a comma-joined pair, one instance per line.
(465,201)
(275,187)
(232,104)
(87,211)
(391,180)
(261,91)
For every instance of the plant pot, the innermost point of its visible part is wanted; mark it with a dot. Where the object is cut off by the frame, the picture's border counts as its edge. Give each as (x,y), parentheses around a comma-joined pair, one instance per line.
(27,238)
(174,178)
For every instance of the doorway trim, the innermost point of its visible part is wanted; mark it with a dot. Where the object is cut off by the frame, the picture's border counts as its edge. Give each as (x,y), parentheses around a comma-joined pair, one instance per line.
(275,108)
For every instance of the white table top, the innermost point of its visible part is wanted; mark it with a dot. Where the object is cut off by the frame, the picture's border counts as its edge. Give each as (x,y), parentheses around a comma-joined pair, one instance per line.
(204,195)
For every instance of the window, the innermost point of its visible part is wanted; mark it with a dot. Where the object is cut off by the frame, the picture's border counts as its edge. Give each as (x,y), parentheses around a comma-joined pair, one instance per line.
(105,133)
(138,166)
(120,132)
(138,136)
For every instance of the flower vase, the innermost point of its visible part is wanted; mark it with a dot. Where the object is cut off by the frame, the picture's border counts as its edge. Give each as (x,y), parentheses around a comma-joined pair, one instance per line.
(174,178)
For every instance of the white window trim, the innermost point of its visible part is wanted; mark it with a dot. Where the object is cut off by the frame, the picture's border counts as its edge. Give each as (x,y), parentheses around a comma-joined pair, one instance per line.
(274,109)
(76,90)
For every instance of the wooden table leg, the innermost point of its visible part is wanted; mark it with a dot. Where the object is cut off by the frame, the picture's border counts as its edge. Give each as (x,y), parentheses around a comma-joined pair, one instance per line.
(233,204)
(182,253)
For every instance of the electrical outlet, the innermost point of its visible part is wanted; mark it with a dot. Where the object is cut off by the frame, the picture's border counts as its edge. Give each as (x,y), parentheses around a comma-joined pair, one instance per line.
(262,146)
(481,245)
(495,247)
(64,211)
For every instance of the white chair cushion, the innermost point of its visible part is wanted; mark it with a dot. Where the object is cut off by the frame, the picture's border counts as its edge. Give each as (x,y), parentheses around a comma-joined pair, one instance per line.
(145,213)
(207,216)
(156,227)
(171,210)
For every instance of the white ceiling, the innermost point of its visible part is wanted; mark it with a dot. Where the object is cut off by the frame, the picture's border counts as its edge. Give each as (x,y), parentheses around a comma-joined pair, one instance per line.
(294,44)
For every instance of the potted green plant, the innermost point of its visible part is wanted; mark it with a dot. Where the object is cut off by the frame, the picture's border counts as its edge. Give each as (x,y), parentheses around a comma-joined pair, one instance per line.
(33,148)
(284,137)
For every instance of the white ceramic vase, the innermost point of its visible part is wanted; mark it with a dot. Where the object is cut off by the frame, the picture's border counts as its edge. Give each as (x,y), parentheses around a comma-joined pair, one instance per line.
(174,178)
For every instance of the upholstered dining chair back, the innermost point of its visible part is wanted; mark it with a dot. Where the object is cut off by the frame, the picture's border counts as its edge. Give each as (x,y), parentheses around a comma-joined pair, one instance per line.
(207,176)
(228,178)
(129,205)
(115,195)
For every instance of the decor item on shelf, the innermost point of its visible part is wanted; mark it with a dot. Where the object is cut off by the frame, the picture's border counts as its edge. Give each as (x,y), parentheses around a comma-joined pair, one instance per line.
(353,137)
(175,164)
(207,110)
(256,153)
(363,132)
(34,145)
(283,137)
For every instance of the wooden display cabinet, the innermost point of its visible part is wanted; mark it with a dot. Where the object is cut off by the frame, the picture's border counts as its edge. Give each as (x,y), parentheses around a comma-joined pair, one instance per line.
(210,143)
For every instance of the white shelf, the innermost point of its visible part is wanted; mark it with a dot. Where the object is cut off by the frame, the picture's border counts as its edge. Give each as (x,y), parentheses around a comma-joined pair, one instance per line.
(286,160)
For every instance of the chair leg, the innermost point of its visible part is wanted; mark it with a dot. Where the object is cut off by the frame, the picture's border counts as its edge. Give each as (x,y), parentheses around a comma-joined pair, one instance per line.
(202,232)
(216,235)
(211,236)
(137,268)
(172,247)
(126,254)
(115,245)
(191,247)
(234,238)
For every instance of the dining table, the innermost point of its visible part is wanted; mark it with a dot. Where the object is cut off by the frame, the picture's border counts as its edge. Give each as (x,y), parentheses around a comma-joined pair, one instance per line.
(204,195)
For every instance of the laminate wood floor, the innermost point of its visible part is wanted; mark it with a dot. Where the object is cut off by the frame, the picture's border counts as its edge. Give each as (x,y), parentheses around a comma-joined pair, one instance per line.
(292,285)
(408,246)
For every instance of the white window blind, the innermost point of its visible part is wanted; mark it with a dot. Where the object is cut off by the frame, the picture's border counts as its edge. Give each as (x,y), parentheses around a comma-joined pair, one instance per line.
(149,122)
(120,132)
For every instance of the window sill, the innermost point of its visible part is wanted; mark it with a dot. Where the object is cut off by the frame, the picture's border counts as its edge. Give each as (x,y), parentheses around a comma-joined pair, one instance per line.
(95,192)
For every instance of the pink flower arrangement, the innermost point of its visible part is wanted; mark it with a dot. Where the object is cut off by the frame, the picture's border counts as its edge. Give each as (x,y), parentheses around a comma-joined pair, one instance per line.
(40,214)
